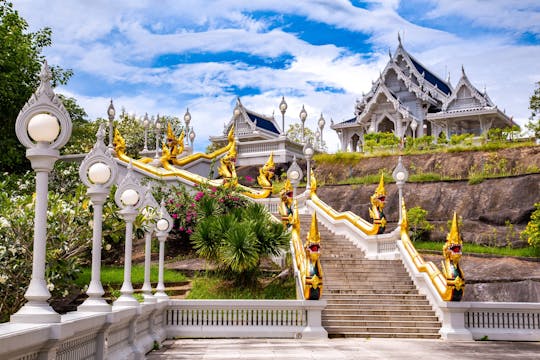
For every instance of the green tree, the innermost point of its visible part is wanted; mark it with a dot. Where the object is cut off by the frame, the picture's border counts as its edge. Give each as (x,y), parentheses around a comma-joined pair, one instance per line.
(20,62)
(418,223)
(295,133)
(534,105)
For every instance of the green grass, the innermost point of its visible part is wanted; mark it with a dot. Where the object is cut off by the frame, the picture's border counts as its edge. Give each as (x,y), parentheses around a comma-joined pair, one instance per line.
(481,249)
(210,286)
(114,275)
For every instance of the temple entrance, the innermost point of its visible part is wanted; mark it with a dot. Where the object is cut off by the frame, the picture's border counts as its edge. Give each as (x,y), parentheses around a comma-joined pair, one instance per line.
(386,125)
(354,143)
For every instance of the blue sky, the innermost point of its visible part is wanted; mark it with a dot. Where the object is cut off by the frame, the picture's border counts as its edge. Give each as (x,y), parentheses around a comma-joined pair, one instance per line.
(164,56)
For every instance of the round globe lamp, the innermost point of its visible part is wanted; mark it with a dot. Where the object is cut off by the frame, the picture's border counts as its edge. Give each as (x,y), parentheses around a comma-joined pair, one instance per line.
(43,127)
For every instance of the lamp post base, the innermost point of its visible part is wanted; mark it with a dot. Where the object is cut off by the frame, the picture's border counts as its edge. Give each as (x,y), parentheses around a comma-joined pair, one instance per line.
(35,313)
(94,305)
(126,300)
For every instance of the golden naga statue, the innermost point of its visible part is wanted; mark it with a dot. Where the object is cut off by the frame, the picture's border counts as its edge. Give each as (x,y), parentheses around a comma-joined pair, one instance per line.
(452,251)
(227,167)
(377,206)
(313,276)
(285,206)
(175,146)
(119,143)
(312,185)
(266,173)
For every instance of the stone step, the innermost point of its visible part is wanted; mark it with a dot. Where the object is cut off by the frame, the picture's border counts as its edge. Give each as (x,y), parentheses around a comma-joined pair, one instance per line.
(381,324)
(377,307)
(383,329)
(358,334)
(360,292)
(378,312)
(374,317)
(355,289)
(358,298)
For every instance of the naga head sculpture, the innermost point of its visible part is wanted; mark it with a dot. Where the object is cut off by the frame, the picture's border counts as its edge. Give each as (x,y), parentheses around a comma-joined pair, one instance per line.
(313,241)
(119,143)
(379,197)
(269,168)
(452,249)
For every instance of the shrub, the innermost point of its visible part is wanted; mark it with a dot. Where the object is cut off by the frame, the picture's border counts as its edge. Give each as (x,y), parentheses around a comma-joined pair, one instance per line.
(69,237)
(418,224)
(532,230)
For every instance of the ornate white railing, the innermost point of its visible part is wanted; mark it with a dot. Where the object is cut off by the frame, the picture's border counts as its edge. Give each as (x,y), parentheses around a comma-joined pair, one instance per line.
(245,318)
(131,332)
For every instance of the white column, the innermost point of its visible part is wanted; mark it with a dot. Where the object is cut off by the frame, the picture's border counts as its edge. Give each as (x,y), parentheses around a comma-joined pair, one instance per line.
(37,309)
(128,214)
(95,301)
(160,289)
(147,286)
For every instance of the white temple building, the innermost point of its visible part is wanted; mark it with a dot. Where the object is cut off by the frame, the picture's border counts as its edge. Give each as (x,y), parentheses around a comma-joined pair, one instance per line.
(409,100)
(257,136)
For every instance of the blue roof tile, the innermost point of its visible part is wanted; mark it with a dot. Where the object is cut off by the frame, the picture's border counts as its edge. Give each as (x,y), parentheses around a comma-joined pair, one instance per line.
(263,123)
(429,76)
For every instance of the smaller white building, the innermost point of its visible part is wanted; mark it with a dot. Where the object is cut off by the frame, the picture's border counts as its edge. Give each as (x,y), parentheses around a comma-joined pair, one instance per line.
(257,136)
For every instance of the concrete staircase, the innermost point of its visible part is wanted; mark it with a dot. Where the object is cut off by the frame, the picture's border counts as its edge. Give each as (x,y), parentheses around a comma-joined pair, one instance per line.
(369,298)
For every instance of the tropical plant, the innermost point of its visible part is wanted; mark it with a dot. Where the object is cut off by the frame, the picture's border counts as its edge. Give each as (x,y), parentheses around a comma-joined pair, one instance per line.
(418,223)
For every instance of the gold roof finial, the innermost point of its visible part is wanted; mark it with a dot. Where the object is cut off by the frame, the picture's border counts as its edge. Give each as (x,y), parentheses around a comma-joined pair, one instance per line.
(380,191)
(454,236)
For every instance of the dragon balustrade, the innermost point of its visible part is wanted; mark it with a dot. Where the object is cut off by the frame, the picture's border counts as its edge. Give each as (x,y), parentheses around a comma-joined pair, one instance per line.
(306,254)
(450,283)
(167,164)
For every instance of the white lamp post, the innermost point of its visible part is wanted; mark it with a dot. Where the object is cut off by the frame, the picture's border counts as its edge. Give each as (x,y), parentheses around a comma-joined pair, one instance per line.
(308,154)
(400,175)
(98,172)
(321,124)
(187,120)
(149,210)
(163,226)
(128,197)
(283,109)
(146,122)
(303,117)
(192,138)
(43,126)
(294,174)
(158,133)
(111,113)
(414,125)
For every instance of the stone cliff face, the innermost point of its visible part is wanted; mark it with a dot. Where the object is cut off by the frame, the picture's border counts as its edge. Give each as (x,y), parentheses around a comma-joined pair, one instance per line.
(485,208)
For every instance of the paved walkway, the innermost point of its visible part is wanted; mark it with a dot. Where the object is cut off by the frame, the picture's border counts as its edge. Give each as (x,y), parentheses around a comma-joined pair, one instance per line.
(338,349)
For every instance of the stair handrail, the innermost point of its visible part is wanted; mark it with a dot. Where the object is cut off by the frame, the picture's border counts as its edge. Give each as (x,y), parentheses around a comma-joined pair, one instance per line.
(445,287)
(297,253)
(358,222)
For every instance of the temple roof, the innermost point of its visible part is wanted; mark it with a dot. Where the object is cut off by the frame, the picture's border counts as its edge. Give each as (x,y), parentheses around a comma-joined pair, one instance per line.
(429,76)
(346,123)
(261,122)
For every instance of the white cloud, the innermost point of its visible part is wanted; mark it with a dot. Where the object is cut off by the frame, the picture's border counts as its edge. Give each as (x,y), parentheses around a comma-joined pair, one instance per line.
(117,43)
